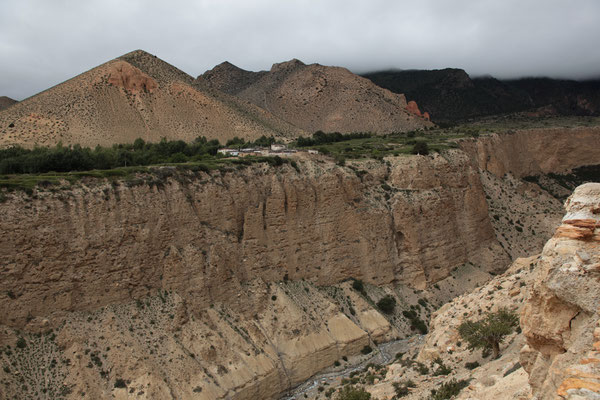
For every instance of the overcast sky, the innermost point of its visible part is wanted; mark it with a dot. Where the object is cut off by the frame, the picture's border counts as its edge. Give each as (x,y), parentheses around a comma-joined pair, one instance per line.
(44,42)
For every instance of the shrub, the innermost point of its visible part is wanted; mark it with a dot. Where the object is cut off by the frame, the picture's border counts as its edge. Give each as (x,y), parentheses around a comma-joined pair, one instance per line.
(489,332)
(120,383)
(442,368)
(21,343)
(449,389)
(358,285)
(472,365)
(366,350)
(387,304)
(353,393)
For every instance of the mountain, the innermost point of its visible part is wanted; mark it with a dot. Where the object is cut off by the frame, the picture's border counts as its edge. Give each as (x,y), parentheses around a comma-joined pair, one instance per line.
(135,95)
(315,97)
(451,95)
(6,102)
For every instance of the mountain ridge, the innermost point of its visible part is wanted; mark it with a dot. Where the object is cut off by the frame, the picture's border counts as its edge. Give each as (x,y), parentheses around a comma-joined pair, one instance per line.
(135,95)
(450,95)
(316,97)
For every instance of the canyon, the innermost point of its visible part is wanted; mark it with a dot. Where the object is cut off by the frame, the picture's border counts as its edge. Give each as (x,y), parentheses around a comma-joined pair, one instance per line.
(241,282)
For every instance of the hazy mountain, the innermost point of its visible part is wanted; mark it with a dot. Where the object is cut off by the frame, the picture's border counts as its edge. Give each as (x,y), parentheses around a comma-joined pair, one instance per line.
(452,95)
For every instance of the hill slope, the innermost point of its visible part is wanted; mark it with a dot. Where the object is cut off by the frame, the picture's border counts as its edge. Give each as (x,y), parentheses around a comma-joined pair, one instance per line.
(136,95)
(6,102)
(451,95)
(315,97)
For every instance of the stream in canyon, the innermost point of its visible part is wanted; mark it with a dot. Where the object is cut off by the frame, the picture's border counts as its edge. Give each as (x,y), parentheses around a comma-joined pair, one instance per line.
(384,354)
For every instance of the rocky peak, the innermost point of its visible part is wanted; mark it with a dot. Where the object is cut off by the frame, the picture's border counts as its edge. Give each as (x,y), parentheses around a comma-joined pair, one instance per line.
(229,78)
(287,66)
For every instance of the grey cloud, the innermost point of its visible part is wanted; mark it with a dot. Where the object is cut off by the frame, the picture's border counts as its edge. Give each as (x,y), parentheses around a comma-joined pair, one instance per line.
(43,43)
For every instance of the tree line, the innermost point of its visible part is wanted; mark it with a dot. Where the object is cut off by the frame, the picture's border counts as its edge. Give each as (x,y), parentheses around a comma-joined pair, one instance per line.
(18,160)
(320,137)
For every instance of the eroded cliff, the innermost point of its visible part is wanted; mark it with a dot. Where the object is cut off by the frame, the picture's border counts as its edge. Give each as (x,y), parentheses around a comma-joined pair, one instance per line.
(233,283)
(560,319)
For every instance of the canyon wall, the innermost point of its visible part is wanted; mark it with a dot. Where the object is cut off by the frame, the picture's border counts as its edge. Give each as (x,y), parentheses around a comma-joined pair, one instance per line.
(204,235)
(232,283)
(535,151)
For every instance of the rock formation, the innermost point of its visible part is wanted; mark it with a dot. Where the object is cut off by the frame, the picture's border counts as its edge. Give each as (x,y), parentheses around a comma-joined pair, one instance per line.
(560,319)
(414,108)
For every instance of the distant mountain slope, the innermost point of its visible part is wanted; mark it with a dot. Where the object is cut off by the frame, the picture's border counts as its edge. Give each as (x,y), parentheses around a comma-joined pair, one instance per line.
(315,97)
(6,102)
(450,95)
(136,95)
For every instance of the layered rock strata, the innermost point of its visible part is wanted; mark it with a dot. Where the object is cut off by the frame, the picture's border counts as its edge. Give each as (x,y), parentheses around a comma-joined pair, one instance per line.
(561,318)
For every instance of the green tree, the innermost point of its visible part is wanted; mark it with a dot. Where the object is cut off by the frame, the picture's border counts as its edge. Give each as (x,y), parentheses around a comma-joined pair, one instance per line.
(421,148)
(387,304)
(490,331)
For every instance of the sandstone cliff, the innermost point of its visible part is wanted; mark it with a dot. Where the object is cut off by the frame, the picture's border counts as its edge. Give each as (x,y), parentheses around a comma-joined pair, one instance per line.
(560,319)
(204,235)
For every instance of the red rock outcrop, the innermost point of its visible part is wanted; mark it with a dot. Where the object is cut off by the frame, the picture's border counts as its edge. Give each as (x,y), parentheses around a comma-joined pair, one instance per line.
(412,107)
(130,78)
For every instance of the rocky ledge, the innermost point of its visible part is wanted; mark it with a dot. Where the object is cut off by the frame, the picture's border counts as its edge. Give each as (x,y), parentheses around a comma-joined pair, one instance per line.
(561,319)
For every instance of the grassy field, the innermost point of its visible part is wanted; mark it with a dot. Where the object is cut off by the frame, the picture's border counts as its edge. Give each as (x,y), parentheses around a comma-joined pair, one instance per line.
(396,144)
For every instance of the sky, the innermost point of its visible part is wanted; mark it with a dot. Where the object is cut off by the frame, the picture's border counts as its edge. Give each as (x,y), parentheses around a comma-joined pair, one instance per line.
(45,42)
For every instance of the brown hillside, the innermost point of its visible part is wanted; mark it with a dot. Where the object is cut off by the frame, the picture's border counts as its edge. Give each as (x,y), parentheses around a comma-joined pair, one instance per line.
(136,95)
(230,79)
(315,97)
(5,102)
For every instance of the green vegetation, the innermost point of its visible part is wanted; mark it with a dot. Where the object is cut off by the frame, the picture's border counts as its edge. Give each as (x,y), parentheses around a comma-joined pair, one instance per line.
(416,323)
(472,365)
(364,145)
(25,169)
(366,350)
(387,304)
(449,389)
(262,141)
(320,137)
(120,383)
(353,393)
(402,388)
(421,148)
(17,160)
(442,369)
(489,332)
(359,286)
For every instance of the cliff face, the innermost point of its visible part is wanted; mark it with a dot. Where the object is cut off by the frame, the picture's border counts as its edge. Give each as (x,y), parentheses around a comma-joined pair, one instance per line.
(535,151)
(180,271)
(231,284)
(205,235)
(560,319)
